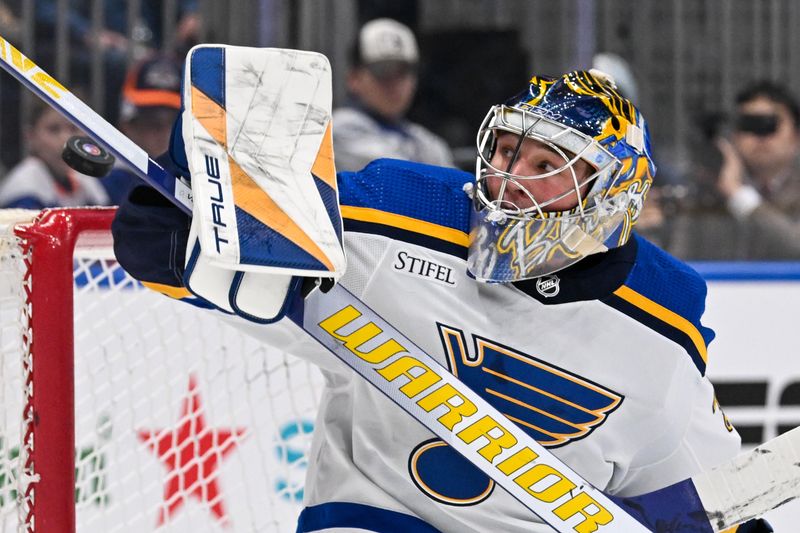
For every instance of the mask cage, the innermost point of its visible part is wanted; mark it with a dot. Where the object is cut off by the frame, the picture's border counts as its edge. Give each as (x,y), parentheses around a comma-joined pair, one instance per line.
(560,138)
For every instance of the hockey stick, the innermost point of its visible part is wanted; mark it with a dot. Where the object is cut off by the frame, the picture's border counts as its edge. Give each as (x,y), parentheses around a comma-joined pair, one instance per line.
(344,325)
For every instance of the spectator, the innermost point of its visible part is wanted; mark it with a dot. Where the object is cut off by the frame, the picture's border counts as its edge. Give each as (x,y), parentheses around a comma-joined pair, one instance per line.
(10,27)
(619,69)
(42,179)
(752,209)
(10,143)
(381,83)
(148,28)
(151,98)
(117,39)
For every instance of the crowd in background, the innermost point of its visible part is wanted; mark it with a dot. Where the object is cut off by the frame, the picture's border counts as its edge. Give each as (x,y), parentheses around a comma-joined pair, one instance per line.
(141,95)
(741,199)
(738,198)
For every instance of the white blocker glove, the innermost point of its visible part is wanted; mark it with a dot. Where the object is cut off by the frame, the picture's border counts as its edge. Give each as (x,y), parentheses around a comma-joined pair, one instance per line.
(257,131)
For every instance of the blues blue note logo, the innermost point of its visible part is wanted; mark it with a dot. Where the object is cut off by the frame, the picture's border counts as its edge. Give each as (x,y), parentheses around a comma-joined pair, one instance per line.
(553,406)
(445,476)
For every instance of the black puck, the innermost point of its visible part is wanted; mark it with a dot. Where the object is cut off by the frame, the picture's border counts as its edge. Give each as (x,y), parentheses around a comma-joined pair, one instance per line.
(87,157)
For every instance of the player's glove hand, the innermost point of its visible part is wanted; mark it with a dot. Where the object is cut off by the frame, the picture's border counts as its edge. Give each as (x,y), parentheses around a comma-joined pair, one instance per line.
(257,135)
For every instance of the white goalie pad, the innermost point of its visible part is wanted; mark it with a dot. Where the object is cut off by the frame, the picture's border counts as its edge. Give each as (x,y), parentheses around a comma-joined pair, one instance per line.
(257,131)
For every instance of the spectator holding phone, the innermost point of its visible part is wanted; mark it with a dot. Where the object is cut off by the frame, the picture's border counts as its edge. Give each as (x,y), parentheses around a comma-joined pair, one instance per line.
(758,184)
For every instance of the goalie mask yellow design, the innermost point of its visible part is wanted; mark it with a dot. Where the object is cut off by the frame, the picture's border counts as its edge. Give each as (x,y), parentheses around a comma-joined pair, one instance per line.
(562,172)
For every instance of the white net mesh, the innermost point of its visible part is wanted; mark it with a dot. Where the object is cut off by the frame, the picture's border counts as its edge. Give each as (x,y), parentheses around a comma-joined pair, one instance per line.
(182,423)
(14,506)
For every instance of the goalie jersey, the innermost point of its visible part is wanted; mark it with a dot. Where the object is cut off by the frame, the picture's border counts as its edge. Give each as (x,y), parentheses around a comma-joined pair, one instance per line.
(603,363)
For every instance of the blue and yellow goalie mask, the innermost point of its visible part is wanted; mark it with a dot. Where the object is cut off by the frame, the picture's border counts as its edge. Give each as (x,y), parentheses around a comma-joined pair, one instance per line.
(562,172)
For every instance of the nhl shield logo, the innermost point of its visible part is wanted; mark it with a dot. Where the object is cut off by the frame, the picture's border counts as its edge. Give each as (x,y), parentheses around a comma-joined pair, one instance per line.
(548,286)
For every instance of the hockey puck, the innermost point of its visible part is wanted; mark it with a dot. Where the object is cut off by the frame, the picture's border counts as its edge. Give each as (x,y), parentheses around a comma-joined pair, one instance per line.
(87,157)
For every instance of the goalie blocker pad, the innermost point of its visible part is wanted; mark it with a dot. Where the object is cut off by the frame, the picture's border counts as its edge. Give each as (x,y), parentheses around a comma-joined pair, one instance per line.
(257,133)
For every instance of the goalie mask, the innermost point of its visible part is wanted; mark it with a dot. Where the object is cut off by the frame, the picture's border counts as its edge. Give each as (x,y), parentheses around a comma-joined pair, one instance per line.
(562,172)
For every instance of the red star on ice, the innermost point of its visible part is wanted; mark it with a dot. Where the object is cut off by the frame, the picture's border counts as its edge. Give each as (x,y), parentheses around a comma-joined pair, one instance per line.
(192,452)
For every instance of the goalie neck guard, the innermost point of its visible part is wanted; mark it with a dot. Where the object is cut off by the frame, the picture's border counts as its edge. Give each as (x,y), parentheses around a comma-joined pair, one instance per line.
(585,192)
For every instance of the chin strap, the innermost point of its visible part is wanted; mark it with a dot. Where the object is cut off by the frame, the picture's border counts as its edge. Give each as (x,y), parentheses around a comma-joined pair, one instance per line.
(582,243)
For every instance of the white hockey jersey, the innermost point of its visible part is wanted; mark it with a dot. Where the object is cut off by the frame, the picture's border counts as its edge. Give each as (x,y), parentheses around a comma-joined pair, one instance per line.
(604,363)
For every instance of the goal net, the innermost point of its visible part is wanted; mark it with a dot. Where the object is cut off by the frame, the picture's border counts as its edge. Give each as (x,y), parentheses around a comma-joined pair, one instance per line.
(124,410)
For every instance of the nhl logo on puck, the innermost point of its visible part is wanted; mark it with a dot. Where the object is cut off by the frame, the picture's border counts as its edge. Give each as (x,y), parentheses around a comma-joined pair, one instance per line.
(91,149)
(548,286)
(87,157)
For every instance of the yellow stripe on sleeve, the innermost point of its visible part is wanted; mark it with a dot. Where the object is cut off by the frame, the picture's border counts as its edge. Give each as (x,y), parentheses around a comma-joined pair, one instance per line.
(364,214)
(178,293)
(664,314)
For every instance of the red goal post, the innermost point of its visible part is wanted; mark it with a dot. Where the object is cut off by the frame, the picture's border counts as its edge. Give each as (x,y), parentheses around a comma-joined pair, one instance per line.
(124,410)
